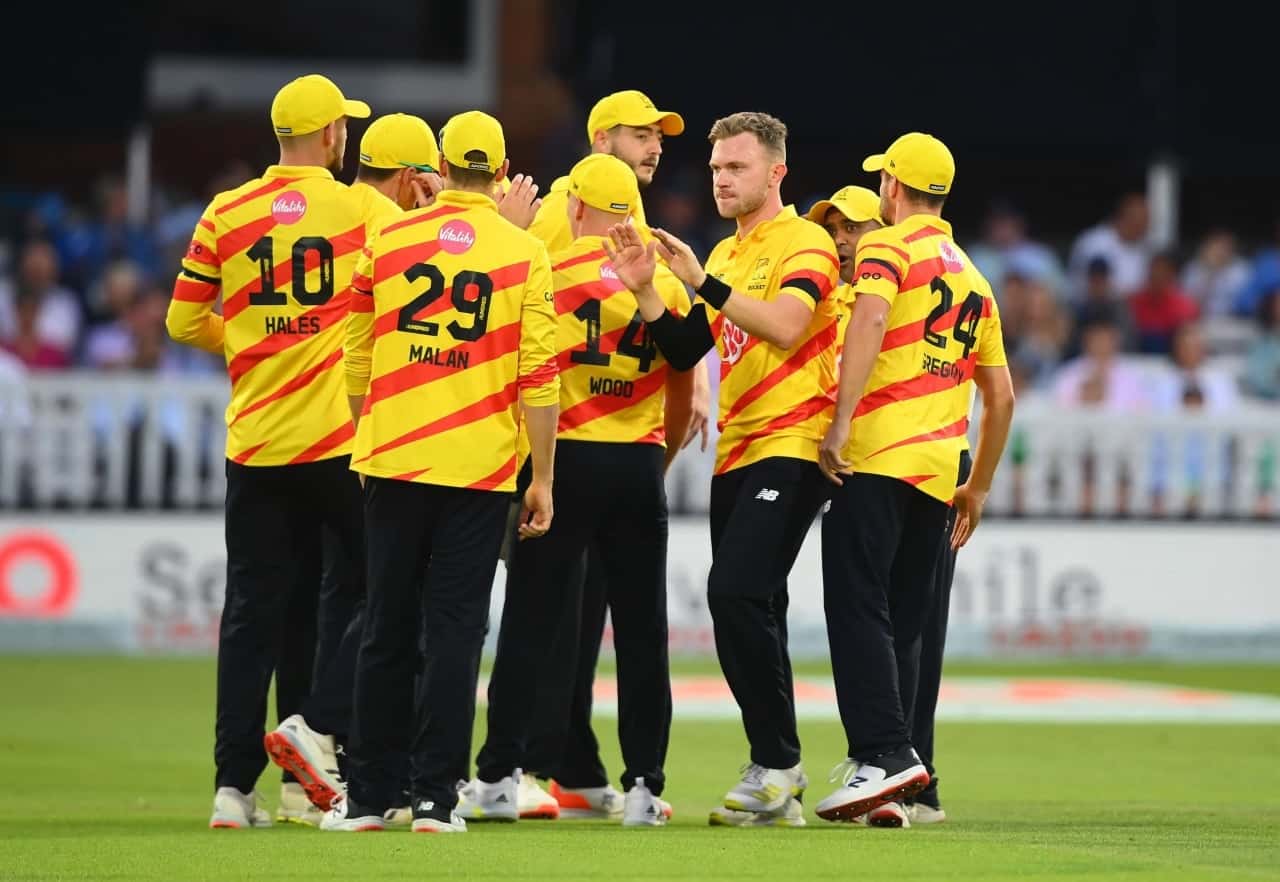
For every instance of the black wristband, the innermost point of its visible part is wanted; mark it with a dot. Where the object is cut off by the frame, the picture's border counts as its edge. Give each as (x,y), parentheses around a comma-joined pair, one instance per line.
(714,291)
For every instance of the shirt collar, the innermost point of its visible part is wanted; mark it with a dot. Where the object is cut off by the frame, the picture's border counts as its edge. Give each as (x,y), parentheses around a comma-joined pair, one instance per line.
(466,198)
(788,213)
(920,221)
(297,171)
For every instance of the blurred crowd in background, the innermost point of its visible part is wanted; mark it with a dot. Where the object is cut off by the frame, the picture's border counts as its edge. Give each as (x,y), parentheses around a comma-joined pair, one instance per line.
(1103,321)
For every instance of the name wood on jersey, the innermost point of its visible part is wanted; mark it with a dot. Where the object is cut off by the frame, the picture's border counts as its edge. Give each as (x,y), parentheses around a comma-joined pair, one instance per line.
(452,358)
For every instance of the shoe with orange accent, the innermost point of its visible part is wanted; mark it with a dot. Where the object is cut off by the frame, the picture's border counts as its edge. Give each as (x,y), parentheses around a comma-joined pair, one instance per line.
(483,801)
(430,817)
(534,803)
(588,803)
(233,810)
(891,814)
(310,756)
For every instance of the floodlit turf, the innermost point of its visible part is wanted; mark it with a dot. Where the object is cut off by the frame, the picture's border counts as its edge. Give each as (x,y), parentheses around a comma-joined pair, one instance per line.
(106,770)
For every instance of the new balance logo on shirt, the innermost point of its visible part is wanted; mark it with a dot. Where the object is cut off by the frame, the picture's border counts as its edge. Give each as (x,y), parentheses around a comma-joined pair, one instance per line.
(768,495)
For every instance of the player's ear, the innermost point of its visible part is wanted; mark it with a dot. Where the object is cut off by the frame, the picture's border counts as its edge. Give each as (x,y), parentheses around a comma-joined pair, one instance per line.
(502,170)
(777,173)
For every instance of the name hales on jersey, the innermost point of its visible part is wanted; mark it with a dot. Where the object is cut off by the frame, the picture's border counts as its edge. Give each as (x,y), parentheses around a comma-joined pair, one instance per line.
(289,324)
(446,358)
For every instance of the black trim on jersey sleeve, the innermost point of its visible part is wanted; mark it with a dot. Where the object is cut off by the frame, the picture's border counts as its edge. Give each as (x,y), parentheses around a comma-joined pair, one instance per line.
(683,342)
(808,286)
(893,270)
(208,280)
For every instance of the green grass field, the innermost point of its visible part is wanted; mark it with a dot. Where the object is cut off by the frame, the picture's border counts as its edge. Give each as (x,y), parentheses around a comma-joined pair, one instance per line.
(107,770)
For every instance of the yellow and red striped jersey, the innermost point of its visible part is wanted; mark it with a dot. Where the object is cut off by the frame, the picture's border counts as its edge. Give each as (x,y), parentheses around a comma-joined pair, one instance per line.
(378,209)
(551,224)
(774,401)
(452,319)
(914,412)
(612,376)
(281,248)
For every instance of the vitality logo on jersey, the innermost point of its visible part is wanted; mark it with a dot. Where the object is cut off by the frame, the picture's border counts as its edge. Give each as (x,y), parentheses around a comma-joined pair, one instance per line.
(950,257)
(610,277)
(735,341)
(288,208)
(456,237)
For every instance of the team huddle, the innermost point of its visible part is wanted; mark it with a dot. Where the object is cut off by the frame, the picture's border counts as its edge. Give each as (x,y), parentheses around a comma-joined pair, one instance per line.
(433,369)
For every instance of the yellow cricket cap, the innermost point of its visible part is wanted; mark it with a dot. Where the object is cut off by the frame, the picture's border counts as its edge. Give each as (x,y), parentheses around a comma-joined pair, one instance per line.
(630,108)
(858,204)
(605,182)
(918,160)
(477,131)
(310,103)
(398,140)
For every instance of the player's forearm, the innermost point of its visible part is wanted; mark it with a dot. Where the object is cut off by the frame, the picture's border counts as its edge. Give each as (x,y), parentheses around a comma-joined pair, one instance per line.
(678,413)
(682,342)
(541,421)
(195,325)
(993,434)
(862,342)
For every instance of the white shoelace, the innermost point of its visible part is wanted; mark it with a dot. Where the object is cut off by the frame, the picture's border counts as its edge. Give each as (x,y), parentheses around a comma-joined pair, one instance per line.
(753,773)
(845,771)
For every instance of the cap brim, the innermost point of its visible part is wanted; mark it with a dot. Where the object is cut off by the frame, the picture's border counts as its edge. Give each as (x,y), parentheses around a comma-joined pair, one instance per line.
(873,163)
(355,109)
(421,166)
(818,213)
(670,123)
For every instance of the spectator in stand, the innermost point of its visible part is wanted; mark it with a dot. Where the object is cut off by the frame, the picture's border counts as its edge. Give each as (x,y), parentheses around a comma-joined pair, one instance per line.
(1217,275)
(1161,307)
(26,342)
(1262,364)
(1005,249)
(1039,329)
(88,247)
(1192,384)
(1122,241)
(1100,302)
(1100,377)
(111,345)
(54,310)
(1264,277)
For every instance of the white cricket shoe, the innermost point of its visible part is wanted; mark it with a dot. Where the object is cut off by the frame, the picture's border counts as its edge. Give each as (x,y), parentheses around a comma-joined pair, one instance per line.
(588,803)
(642,809)
(479,801)
(348,817)
(428,817)
(894,776)
(765,790)
(923,813)
(310,756)
(891,814)
(295,807)
(790,815)
(534,803)
(233,810)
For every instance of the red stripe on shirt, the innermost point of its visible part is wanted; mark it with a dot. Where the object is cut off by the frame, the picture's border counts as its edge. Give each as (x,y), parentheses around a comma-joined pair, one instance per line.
(502,279)
(189,290)
(269,187)
(541,375)
(442,211)
(206,223)
(797,361)
(822,280)
(503,474)
(598,406)
(485,407)
(327,315)
(581,258)
(917,480)
(827,254)
(657,436)
(361,301)
(905,390)
(301,381)
(245,455)
(327,444)
(343,244)
(959,427)
(923,233)
(896,250)
(409,476)
(496,343)
(809,409)
(232,242)
(922,273)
